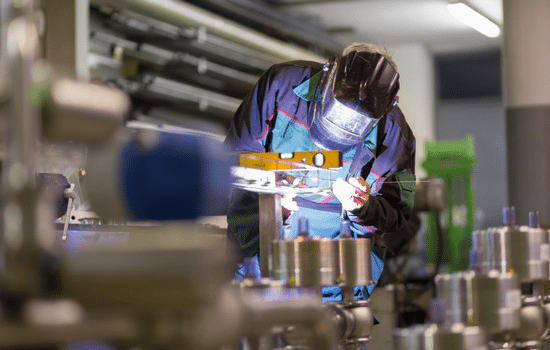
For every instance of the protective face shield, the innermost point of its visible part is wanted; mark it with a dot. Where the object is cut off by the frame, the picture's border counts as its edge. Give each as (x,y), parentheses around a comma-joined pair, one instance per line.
(354,92)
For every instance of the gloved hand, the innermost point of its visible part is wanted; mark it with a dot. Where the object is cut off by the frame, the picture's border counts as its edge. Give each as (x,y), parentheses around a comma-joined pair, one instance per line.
(288,203)
(353,194)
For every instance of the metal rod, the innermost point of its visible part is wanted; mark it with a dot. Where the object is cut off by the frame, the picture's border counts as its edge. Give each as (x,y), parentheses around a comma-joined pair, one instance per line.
(271,226)
(184,14)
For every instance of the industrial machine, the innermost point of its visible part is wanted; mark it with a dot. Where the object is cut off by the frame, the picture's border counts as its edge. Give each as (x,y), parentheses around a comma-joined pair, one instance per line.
(501,302)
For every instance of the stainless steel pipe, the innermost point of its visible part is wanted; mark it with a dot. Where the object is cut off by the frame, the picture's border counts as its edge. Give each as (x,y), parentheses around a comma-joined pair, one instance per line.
(180,13)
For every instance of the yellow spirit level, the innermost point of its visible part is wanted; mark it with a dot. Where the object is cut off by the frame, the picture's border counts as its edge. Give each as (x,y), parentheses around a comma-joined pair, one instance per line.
(289,161)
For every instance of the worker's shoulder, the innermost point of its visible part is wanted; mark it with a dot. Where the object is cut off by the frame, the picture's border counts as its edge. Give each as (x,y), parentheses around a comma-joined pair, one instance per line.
(296,68)
(397,118)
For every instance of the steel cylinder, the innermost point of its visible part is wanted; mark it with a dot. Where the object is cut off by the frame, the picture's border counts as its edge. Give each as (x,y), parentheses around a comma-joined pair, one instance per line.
(523,252)
(520,250)
(496,301)
(491,300)
(482,254)
(433,337)
(459,337)
(157,269)
(413,338)
(454,296)
(70,117)
(431,195)
(305,261)
(355,267)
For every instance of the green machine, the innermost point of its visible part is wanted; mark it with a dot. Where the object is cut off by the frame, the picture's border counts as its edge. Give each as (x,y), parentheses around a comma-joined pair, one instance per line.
(454,162)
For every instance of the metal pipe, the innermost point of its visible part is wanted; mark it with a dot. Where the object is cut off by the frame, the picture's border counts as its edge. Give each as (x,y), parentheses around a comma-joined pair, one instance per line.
(301,311)
(184,14)
(271,227)
(18,231)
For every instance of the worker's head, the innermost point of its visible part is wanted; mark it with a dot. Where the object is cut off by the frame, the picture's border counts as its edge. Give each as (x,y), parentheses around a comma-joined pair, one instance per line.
(354,92)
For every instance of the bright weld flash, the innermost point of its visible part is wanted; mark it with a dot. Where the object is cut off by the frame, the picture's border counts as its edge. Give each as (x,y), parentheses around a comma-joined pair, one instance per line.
(474,19)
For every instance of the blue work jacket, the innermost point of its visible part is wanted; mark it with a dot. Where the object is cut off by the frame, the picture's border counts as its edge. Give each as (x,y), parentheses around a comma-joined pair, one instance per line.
(274,118)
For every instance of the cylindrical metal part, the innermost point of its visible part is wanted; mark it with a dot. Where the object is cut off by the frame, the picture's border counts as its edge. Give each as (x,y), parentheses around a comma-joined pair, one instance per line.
(345,228)
(482,254)
(520,250)
(413,338)
(534,219)
(454,294)
(282,261)
(532,320)
(509,216)
(155,175)
(431,195)
(546,309)
(271,227)
(496,301)
(523,252)
(305,262)
(431,337)
(355,261)
(158,269)
(459,337)
(84,112)
(303,226)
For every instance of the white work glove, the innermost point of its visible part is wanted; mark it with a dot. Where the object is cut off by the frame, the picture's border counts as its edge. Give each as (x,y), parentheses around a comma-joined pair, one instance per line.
(353,194)
(288,203)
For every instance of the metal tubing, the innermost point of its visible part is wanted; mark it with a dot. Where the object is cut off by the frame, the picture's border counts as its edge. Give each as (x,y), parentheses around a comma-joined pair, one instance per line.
(24,126)
(314,317)
(184,14)
(271,225)
(20,226)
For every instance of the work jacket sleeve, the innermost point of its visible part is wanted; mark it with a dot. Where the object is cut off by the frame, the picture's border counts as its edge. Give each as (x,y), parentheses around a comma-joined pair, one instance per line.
(249,125)
(252,118)
(391,177)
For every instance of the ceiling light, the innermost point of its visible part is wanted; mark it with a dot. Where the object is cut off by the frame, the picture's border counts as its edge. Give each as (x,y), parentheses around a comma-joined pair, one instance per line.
(474,19)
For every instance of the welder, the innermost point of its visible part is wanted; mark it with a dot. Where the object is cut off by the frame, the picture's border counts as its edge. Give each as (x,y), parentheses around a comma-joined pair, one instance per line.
(348,104)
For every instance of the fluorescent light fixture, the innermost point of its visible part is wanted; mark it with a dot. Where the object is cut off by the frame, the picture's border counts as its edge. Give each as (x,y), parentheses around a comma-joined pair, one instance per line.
(474,19)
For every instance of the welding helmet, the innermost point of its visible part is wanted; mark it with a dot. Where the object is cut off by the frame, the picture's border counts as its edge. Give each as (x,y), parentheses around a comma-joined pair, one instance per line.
(353,93)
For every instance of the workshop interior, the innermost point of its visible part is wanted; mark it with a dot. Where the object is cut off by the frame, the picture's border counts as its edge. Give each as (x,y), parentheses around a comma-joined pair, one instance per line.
(115,180)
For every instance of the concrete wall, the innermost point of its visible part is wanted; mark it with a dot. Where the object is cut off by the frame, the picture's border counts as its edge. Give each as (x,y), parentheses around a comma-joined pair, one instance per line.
(417,94)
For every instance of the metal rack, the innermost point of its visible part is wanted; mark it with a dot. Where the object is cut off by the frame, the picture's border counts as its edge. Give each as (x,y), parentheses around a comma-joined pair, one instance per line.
(193,64)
